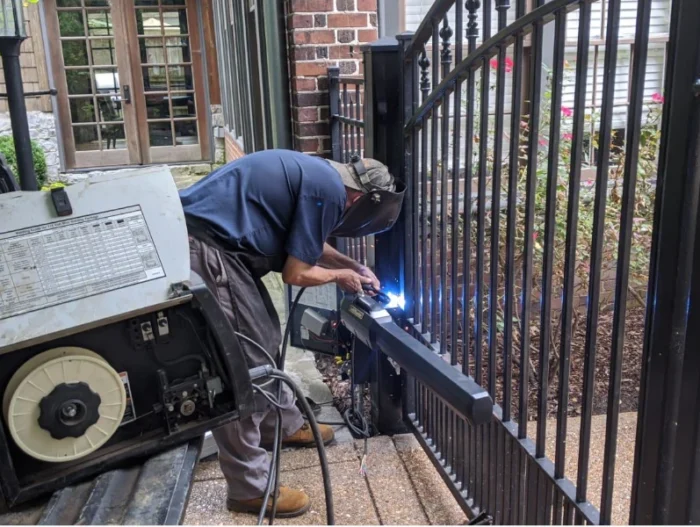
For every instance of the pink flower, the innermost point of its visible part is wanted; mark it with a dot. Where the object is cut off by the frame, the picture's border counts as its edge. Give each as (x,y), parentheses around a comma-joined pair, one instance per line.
(543,142)
(658,98)
(566,111)
(535,235)
(508,64)
(568,137)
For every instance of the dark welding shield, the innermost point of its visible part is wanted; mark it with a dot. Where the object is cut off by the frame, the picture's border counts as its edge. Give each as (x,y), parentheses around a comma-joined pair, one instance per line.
(379,208)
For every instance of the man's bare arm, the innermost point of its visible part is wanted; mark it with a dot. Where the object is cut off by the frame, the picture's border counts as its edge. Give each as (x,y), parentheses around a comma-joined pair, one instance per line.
(333,259)
(301,274)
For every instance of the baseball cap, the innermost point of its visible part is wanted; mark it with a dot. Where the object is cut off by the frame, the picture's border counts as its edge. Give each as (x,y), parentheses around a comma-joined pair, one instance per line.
(365,175)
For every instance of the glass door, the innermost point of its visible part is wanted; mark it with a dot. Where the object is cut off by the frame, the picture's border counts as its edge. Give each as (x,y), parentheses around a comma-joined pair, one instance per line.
(91,61)
(169,80)
(130,81)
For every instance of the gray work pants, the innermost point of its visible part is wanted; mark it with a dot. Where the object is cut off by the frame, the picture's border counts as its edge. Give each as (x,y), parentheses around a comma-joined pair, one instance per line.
(250,310)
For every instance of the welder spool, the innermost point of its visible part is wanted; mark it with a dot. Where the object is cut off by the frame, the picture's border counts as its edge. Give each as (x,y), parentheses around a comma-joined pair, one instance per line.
(64,404)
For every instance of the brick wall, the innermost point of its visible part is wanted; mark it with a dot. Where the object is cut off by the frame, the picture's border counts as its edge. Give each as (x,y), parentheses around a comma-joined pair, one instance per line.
(323,33)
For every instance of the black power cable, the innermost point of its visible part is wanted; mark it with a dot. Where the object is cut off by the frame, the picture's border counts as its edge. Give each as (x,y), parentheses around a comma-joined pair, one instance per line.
(274,471)
(325,471)
(261,372)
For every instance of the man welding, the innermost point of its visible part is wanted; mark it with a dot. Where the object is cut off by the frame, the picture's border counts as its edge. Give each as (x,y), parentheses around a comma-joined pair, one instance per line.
(274,211)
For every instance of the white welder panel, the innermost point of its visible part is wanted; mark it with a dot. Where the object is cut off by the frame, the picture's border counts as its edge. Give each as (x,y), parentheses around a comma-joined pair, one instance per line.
(119,252)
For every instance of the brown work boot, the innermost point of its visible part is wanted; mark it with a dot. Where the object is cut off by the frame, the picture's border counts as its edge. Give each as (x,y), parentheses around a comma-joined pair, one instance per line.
(290,504)
(304,437)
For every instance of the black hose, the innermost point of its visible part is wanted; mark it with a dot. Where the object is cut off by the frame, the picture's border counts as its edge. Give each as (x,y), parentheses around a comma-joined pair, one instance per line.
(273,463)
(325,471)
(274,470)
(287,330)
(280,366)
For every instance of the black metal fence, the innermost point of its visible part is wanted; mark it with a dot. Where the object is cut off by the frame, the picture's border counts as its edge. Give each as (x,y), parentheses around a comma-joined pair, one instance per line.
(347,113)
(543,284)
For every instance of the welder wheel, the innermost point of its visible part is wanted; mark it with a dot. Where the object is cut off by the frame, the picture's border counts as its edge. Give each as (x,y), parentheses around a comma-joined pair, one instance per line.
(64,404)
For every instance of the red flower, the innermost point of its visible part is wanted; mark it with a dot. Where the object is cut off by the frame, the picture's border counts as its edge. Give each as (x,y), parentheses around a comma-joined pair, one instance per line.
(566,111)
(568,137)
(508,64)
(658,98)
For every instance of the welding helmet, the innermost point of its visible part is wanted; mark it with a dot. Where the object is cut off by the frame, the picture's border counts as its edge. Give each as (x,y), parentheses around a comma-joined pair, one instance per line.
(378,209)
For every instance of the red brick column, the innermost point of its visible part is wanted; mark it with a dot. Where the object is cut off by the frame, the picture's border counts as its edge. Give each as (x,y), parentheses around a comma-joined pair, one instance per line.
(321,34)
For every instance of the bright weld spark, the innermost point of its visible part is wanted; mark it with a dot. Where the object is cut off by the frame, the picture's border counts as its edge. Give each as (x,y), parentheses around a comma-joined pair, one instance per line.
(396,301)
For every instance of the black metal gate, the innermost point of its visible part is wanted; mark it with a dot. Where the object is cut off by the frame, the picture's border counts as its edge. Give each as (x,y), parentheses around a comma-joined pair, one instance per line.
(548,248)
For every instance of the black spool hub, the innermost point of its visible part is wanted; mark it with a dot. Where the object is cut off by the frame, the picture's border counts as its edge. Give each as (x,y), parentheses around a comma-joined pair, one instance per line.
(69,410)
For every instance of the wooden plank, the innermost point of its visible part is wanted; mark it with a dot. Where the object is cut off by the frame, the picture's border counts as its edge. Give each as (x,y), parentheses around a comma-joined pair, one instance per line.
(199,83)
(210,47)
(64,117)
(43,103)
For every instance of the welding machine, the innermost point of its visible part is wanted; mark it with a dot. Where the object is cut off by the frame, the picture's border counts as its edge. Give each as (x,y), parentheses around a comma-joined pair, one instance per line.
(110,348)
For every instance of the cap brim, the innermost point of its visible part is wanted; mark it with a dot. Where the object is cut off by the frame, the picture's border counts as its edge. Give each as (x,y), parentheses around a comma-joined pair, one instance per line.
(345,174)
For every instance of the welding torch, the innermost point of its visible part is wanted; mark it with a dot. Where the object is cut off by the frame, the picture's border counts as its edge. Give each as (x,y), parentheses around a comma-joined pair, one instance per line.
(377,294)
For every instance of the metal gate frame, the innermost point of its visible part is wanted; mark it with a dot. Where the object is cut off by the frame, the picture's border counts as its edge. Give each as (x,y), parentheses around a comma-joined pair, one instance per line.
(498,469)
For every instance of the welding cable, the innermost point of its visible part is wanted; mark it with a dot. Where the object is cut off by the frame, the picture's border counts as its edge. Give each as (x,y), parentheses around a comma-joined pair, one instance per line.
(287,330)
(280,366)
(271,482)
(265,352)
(330,513)
(362,432)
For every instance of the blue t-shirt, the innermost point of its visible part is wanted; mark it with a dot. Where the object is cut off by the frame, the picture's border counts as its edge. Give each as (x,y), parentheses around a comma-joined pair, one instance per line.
(271,203)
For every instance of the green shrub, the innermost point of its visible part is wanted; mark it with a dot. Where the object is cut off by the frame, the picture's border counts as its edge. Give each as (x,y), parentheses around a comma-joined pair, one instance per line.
(7,149)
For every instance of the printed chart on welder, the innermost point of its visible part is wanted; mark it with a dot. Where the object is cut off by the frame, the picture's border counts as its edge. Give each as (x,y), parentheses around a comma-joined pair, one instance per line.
(60,262)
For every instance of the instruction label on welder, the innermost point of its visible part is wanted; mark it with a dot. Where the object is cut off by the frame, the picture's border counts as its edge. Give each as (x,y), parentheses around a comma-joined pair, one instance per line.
(67,260)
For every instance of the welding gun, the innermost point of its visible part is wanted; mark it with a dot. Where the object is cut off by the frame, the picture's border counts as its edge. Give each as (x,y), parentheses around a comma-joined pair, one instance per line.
(377,294)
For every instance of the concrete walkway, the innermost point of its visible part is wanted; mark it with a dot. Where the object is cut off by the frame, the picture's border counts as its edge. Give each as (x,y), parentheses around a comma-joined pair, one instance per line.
(401,487)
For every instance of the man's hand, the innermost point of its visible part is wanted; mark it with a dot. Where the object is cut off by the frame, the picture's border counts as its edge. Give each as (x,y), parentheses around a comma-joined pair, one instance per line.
(350,281)
(367,273)
(302,274)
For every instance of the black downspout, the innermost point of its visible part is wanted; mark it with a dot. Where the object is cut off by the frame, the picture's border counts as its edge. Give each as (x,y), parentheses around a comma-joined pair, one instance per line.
(10,50)
(274,54)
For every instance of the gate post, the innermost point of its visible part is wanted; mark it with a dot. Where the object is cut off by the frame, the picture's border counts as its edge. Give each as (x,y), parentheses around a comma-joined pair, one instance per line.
(666,484)
(384,142)
(334,110)
(336,140)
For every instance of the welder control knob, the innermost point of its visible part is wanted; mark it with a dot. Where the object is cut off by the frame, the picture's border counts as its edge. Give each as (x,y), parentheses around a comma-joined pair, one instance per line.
(187,408)
(69,410)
